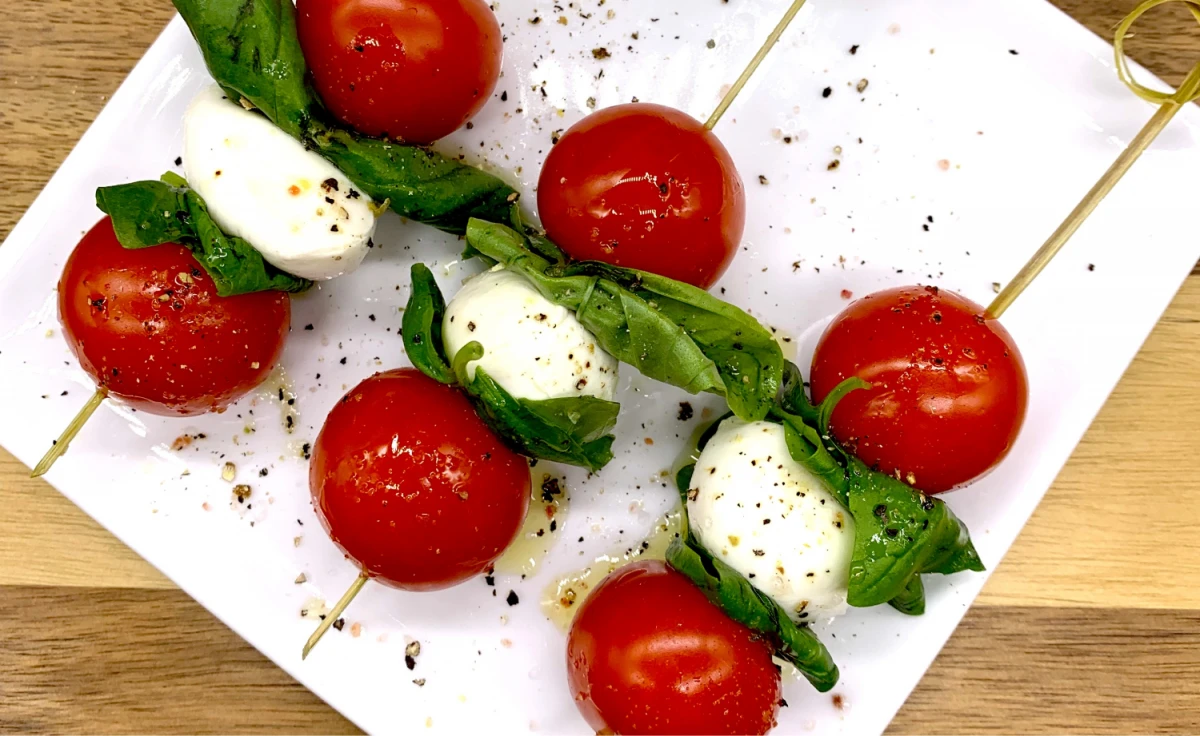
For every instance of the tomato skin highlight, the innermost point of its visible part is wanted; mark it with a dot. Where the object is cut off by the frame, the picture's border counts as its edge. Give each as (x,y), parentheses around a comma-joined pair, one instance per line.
(411,484)
(647,187)
(147,324)
(648,653)
(412,70)
(949,387)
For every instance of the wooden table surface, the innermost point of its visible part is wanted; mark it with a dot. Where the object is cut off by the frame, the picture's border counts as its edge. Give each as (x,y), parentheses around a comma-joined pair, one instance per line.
(1090,625)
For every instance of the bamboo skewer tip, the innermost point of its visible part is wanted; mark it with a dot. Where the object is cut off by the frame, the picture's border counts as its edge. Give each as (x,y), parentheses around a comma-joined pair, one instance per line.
(335,613)
(748,72)
(59,448)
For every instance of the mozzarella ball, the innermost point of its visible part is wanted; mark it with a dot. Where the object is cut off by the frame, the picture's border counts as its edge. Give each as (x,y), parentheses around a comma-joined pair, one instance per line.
(772,520)
(293,206)
(533,348)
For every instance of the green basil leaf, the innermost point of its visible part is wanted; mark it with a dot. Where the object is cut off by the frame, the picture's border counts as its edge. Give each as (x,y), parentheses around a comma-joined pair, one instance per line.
(421,326)
(570,430)
(585,418)
(536,239)
(962,558)
(793,397)
(540,244)
(623,324)
(806,447)
(672,332)
(794,400)
(830,402)
(900,533)
(745,354)
(498,244)
(146,213)
(149,213)
(636,333)
(418,183)
(749,606)
(812,447)
(683,481)
(912,600)
(251,48)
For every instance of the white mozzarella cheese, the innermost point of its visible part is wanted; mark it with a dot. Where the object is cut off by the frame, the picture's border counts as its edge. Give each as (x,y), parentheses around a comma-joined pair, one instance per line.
(293,206)
(533,348)
(773,521)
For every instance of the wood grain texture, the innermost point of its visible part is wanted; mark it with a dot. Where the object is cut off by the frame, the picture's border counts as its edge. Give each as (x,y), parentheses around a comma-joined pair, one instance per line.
(67,673)
(1084,628)
(1061,668)
(1100,536)
(59,63)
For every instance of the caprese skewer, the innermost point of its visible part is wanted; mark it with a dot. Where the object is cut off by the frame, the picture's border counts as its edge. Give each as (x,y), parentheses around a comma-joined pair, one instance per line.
(261,185)
(782,529)
(260,215)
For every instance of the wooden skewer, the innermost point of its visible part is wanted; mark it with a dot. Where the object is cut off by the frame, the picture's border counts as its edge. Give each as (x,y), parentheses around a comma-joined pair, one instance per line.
(727,100)
(1169,105)
(334,613)
(60,445)
(1063,233)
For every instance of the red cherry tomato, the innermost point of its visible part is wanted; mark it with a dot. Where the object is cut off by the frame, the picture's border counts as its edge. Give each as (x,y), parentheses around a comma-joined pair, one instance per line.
(412,485)
(148,325)
(648,653)
(647,187)
(413,70)
(949,387)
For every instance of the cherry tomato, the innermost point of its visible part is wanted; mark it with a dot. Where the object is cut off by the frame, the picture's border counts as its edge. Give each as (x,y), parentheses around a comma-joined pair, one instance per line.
(948,392)
(412,70)
(648,653)
(646,187)
(412,485)
(148,325)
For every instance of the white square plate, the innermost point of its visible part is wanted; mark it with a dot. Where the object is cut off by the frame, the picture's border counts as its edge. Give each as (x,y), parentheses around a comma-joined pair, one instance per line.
(990,117)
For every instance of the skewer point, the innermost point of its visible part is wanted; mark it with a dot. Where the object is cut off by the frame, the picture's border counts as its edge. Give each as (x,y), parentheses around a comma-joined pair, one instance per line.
(334,613)
(727,100)
(60,445)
